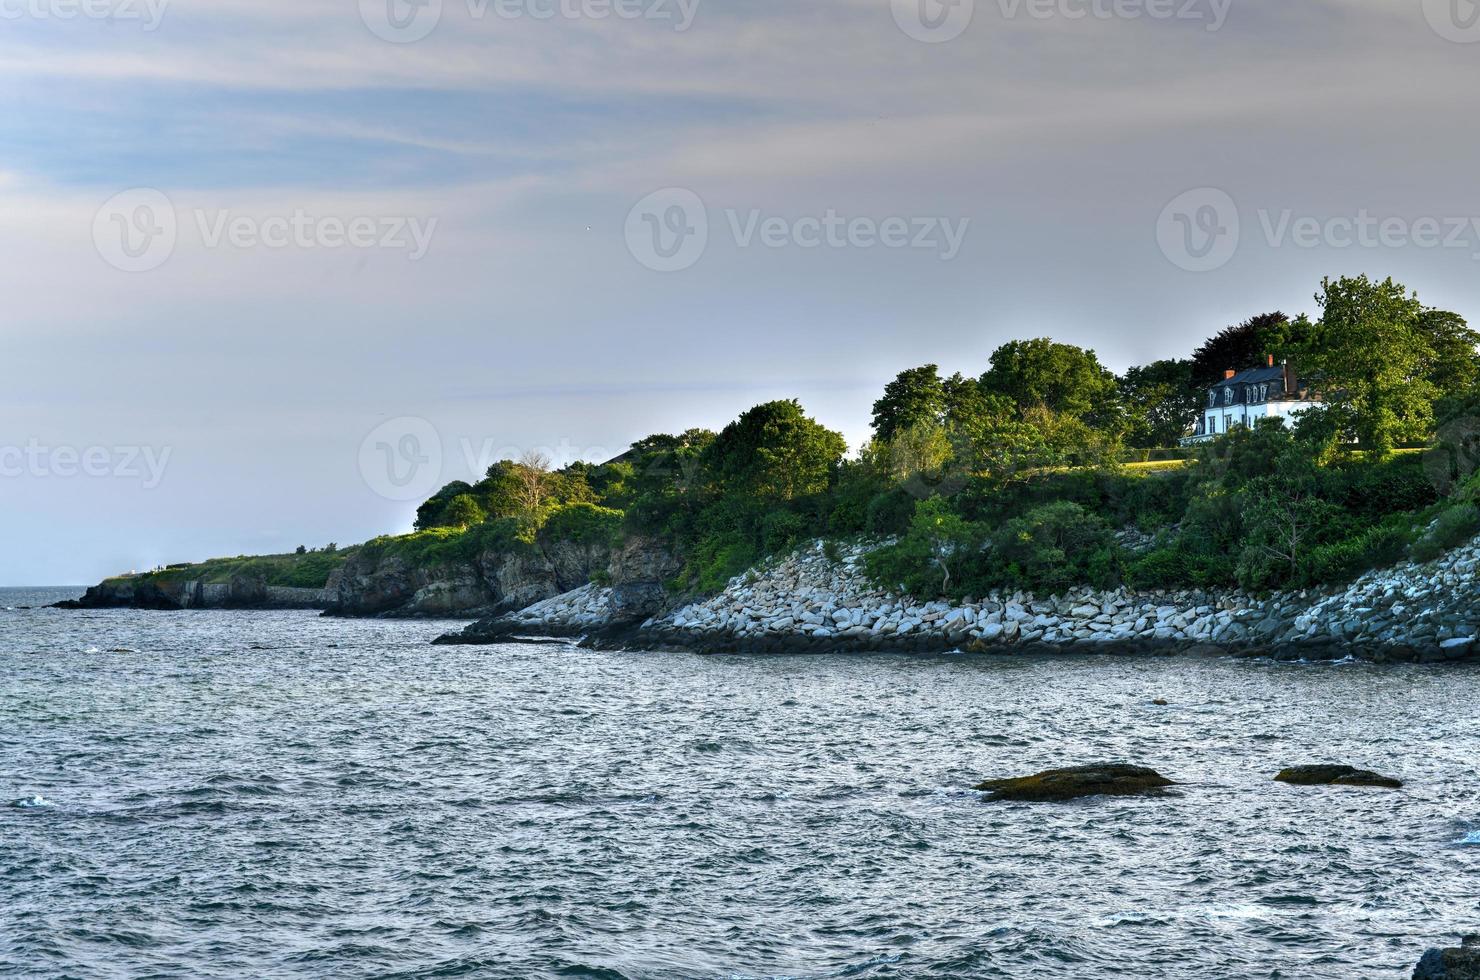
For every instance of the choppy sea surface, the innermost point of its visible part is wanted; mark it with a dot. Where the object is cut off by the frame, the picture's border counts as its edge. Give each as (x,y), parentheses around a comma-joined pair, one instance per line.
(215,794)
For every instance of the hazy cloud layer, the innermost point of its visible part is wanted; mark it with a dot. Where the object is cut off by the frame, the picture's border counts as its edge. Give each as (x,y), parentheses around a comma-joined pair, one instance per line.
(363,230)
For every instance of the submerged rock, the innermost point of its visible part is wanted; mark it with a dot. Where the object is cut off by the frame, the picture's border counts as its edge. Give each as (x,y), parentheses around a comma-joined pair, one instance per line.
(1100,779)
(1333,775)
(1455,963)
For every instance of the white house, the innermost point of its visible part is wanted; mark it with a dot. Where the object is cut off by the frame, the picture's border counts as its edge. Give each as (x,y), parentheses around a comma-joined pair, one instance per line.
(1245,397)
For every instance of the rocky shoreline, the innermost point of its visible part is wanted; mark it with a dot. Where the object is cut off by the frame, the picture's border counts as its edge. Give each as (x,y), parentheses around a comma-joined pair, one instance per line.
(811,603)
(817,600)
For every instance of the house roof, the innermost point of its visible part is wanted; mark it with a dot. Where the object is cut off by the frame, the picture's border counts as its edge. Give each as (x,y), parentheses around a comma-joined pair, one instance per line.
(1254,376)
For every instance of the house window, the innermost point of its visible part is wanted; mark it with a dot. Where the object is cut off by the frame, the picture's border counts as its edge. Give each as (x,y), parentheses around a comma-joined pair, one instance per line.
(1212,398)
(1228,396)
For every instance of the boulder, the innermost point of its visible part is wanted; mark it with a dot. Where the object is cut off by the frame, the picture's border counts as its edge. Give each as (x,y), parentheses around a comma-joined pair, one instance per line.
(1456,963)
(1056,785)
(1334,775)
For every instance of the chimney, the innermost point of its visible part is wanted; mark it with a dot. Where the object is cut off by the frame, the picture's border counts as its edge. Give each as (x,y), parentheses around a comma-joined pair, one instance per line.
(1271,360)
(1290,379)
(1228,375)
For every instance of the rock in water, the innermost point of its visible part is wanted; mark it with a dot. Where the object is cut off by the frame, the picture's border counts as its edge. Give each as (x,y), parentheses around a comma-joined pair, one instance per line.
(1332,775)
(1100,779)
(1461,963)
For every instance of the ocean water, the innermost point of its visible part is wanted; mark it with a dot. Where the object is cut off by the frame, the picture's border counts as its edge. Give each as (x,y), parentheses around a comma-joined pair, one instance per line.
(216,794)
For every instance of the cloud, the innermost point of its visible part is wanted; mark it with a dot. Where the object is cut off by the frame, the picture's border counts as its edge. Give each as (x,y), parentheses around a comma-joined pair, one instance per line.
(529,321)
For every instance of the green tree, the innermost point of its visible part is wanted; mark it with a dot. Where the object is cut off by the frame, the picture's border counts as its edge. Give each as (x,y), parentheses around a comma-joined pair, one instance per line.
(1454,368)
(932,555)
(668,481)
(1062,378)
(498,491)
(946,537)
(774,451)
(1246,345)
(462,512)
(988,432)
(1284,518)
(1161,401)
(1373,357)
(919,448)
(915,397)
(433,510)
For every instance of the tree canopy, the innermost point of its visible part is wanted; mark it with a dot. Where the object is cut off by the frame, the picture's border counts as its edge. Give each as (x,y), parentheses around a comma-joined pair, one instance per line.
(1373,356)
(1246,345)
(1161,402)
(1062,378)
(775,451)
(915,397)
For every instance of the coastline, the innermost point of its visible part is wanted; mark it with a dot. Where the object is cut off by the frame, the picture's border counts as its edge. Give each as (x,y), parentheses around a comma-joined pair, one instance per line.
(809,603)
(817,600)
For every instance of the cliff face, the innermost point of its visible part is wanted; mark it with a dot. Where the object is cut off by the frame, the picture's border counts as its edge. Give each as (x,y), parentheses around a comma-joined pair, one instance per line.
(238,592)
(497,582)
(386,582)
(637,571)
(376,585)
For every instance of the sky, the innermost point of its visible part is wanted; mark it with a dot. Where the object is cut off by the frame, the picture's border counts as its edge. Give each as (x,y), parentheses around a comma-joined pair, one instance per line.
(274,270)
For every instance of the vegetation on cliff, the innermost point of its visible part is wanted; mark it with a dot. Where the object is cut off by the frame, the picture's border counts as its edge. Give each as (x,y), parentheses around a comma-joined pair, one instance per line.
(1048,471)
(305,569)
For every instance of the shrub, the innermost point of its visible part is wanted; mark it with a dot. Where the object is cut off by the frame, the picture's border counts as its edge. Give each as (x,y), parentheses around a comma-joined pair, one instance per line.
(1342,561)
(781,530)
(582,524)
(939,555)
(463,511)
(890,512)
(1374,490)
(1054,547)
(718,559)
(1176,568)
(1455,527)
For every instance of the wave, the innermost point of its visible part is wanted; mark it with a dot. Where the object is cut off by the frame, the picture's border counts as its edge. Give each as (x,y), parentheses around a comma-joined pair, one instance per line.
(34,803)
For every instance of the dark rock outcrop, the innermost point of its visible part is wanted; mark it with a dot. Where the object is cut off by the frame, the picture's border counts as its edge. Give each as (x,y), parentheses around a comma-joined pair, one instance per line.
(1335,775)
(1057,785)
(1456,963)
(639,571)
(494,582)
(372,584)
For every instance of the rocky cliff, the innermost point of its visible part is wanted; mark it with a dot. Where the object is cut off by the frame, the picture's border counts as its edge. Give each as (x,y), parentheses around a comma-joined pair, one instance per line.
(387,582)
(501,581)
(636,574)
(185,592)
